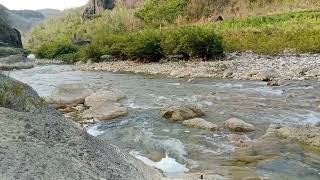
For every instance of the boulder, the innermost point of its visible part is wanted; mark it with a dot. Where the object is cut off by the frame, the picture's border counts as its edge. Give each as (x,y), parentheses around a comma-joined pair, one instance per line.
(105,111)
(305,134)
(267,75)
(180,113)
(238,125)
(69,95)
(200,124)
(102,97)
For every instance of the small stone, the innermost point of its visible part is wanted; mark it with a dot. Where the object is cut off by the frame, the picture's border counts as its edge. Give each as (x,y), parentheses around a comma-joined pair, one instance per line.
(66,110)
(267,75)
(200,124)
(227,73)
(273,83)
(80,107)
(238,125)
(192,79)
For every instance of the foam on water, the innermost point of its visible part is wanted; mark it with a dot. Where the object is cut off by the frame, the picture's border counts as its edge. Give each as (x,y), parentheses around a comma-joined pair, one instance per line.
(94,131)
(174,147)
(168,165)
(306,117)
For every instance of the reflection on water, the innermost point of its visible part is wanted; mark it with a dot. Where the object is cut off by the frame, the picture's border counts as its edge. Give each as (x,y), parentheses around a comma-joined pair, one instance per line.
(144,133)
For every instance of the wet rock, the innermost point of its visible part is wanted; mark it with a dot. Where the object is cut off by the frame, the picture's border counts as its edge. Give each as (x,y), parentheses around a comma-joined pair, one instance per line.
(15,66)
(80,107)
(102,97)
(273,83)
(69,95)
(105,111)
(67,110)
(267,75)
(266,147)
(180,113)
(157,156)
(200,124)
(240,140)
(238,125)
(305,134)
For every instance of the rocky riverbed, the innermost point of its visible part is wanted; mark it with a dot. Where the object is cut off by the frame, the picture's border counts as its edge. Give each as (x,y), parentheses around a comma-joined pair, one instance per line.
(216,129)
(245,65)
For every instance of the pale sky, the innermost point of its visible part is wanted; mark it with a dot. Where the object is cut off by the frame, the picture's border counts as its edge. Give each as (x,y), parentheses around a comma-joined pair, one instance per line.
(42,4)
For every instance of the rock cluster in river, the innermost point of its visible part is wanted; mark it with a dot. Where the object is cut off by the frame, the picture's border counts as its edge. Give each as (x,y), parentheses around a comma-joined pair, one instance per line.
(244,65)
(82,104)
(190,115)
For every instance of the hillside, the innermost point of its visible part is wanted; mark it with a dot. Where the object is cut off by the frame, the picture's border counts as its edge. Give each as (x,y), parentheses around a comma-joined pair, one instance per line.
(158,29)
(24,20)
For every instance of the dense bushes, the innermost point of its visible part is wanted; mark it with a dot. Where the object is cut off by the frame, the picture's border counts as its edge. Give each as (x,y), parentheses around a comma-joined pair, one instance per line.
(65,51)
(153,44)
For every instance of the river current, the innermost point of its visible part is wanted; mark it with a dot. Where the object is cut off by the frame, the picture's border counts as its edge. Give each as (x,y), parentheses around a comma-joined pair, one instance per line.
(147,136)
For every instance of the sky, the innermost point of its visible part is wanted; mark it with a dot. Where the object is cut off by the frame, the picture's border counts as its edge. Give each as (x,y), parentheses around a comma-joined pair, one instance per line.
(42,4)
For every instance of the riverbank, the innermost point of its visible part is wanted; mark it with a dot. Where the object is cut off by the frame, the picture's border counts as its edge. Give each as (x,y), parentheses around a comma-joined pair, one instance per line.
(245,65)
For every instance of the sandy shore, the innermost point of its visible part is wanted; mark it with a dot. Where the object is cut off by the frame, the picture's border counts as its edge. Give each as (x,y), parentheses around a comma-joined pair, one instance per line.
(244,65)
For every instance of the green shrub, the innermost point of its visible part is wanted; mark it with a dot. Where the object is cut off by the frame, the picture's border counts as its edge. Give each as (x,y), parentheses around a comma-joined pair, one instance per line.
(56,50)
(154,44)
(192,41)
(7,51)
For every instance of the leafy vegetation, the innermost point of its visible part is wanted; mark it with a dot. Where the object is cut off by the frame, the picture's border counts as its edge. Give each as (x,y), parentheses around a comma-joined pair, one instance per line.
(180,27)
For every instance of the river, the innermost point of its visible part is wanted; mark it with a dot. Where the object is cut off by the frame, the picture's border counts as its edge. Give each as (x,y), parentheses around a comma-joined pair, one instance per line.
(144,134)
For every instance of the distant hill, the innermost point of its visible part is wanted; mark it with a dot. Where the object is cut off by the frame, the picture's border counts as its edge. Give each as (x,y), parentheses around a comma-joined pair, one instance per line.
(8,35)
(49,12)
(24,20)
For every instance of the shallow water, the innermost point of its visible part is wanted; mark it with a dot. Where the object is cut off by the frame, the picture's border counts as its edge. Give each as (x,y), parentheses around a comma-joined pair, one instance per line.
(144,133)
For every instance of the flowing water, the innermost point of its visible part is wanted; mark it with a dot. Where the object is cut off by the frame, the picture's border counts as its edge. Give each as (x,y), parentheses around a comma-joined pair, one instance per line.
(147,136)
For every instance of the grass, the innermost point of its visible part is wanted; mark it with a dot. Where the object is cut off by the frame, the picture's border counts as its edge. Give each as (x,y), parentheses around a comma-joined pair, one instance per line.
(14,95)
(272,34)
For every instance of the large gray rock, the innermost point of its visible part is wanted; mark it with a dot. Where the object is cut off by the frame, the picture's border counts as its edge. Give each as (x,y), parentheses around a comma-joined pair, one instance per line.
(180,113)
(200,124)
(238,125)
(105,111)
(41,144)
(103,97)
(96,6)
(69,95)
